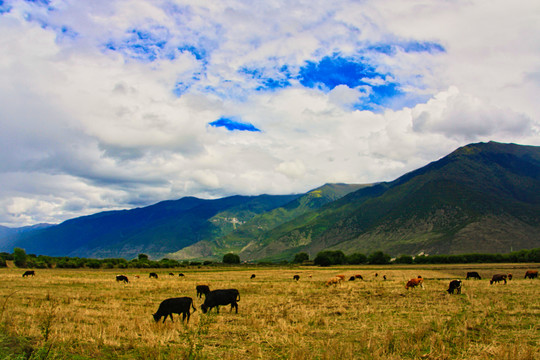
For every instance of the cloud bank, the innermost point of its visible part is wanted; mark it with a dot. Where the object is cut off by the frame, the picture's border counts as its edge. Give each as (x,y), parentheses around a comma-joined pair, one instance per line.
(116,104)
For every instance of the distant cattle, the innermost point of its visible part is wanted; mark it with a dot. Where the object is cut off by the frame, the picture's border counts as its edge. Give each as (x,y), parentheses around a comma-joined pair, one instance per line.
(28,273)
(221,297)
(122,278)
(296,277)
(171,274)
(473,274)
(153,275)
(414,283)
(376,274)
(252,276)
(384,277)
(181,305)
(455,285)
(137,276)
(509,277)
(341,276)
(334,281)
(531,274)
(202,290)
(352,278)
(180,274)
(358,276)
(498,278)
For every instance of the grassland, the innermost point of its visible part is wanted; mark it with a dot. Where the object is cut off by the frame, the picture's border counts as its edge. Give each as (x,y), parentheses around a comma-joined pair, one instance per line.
(86,314)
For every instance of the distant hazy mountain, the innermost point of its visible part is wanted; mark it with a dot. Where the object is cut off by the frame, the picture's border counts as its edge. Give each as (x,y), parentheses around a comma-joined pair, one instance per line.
(481,198)
(154,230)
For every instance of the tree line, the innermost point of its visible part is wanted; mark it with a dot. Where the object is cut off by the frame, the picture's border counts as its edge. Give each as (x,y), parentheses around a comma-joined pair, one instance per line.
(323,258)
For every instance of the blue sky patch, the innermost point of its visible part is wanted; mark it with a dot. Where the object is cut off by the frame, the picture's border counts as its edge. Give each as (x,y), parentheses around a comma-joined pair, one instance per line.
(4,8)
(232,124)
(144,44)
(266,82)
(408,47)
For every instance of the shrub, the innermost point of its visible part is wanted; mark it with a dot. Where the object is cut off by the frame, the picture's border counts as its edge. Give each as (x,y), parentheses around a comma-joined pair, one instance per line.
(300,258)
(231,258)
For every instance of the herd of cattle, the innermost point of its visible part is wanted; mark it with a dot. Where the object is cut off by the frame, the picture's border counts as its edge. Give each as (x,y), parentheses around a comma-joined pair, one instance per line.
(221,297)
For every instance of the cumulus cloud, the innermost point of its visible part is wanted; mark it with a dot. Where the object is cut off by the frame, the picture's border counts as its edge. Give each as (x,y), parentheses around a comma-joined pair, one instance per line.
(109,105)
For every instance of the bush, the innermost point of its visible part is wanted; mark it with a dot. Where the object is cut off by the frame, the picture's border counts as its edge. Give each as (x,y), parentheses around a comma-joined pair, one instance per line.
(328,257)
(300,258)
(231,258)
(19,255)
(404,259)
(379,258)
(356,259)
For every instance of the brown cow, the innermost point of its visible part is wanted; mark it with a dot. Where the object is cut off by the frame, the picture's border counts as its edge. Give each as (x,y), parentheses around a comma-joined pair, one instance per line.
(498,278)
(342,277)
(531,274)
(414,283)
(334,281)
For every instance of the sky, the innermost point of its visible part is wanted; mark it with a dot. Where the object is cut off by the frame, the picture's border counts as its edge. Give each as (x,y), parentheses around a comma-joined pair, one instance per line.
(118,104)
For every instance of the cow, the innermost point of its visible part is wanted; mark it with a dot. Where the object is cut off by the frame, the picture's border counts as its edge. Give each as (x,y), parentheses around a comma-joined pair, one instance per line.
(202,290)
(296,277)
(473,274)
(171,274)
(414,283)
(352,278)
(531,274)
(454,285)
(137,276)
(153,275)
(334,281)
(252,276)
(28,273)
(359,277)
(216,298)
(509,277)
(342,277)
(384,277)
(498,278)
(181,275)
(180,305)
(122,278)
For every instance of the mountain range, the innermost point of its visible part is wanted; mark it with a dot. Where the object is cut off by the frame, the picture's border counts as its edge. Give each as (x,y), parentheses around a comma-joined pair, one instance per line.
(482,197)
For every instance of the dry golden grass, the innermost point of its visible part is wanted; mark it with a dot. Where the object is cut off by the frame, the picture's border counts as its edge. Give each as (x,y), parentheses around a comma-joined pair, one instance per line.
(87,314)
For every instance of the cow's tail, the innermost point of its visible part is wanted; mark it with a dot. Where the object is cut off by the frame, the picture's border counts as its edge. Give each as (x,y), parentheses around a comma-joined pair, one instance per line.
(238,297)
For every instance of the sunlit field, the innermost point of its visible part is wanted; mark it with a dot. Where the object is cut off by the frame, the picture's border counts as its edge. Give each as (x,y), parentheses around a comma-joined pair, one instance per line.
(84,314)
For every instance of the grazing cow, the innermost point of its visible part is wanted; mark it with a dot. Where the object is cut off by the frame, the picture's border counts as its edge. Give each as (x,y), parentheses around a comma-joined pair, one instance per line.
(473,274)
(137,276)
(252,276)
(376,274)
(531,274)
(296,277)
(202,290)
(498,278)
(28,273)
(171,274)
(181,274)
(359,277)
(384,277)
(509,277)
(342,277)
(178,306)
(352,278)
(122,278)
(221,297)
(454,285)
(153,275)
(334,281)
(414,283)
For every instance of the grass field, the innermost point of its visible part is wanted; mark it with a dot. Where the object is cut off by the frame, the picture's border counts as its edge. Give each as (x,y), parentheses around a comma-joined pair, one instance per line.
(86,314)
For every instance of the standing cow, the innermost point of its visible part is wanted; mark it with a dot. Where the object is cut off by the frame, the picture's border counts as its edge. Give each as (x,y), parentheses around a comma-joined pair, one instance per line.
(122,278)
(153,275)
(455,285)
(414,283)
(498,278)
(178,306)
(29,273)
(202,290)
(531,274)
(221,297)
(473,274)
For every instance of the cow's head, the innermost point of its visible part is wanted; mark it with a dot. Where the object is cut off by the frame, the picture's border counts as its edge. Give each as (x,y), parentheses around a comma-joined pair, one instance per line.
(204,308)
(156,317)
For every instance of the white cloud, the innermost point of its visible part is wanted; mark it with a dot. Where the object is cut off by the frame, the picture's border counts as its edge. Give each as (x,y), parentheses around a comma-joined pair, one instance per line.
(84,128)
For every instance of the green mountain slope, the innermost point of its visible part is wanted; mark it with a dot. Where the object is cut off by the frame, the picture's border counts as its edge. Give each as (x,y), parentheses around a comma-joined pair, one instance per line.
(250,233)
(481,198)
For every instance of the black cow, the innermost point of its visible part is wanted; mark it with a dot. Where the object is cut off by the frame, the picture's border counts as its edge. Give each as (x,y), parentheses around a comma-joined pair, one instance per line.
(296,277)
(202,290)
(498,278)
(122,278)
(358,276)
(454,285)
(153,275)
(384,277)
(252,276)
(510,277)
(178,306)
(180,274)
(352,278)
(473,274)
(531,274)
(28,273)
(171,274)
(221,297)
